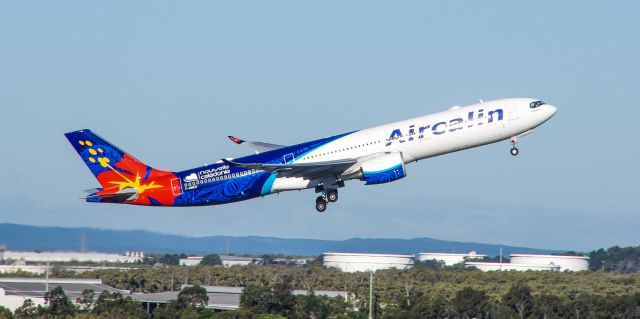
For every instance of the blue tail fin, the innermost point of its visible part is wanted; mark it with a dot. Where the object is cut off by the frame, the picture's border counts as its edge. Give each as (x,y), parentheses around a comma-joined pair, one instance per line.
(101,156)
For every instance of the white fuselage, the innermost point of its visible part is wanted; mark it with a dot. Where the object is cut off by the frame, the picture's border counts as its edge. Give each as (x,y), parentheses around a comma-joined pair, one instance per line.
(431,135)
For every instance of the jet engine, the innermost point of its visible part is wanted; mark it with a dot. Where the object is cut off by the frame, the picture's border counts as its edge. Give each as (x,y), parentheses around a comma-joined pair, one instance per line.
(382,169)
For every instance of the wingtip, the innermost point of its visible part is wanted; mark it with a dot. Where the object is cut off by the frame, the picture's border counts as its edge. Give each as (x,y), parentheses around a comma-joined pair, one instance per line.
(235,139)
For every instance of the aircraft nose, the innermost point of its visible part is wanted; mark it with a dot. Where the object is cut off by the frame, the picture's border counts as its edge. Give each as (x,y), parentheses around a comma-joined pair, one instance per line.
(551,109)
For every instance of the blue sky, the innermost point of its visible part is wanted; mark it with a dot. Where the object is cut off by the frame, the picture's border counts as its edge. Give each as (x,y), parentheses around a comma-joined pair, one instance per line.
(168,81)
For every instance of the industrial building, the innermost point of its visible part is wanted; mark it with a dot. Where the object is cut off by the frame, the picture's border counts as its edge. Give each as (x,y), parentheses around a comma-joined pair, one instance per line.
(34,269)
(220,297)
(14,291)
(353,262)
(449,259)
(227,260)
(56,256)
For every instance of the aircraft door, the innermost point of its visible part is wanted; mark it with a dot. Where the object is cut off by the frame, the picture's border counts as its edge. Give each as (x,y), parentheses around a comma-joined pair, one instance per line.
(513,114)
(176,188)
(288,158)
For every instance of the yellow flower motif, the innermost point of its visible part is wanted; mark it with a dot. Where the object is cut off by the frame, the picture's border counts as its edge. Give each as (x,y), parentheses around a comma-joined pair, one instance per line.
(136,184)
(104,161)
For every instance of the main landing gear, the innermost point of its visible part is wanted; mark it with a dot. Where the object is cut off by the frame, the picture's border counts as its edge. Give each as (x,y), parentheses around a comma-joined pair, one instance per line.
(514,150)
(321,204)
(325,198)
(329,192)
(332,195)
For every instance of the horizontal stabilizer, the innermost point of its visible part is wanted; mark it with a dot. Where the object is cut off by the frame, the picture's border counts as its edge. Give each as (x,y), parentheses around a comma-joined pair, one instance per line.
(126,194)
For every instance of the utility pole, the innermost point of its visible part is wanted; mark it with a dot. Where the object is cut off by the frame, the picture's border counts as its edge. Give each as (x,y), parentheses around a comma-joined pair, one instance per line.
(500,258)
(46,280)
(371,294)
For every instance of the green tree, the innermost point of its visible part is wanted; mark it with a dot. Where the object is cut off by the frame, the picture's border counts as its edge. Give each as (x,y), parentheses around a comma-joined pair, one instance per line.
(211,260)
(519,298)
(258,299)
(59,303)
(171,259)
(286,300)
(263,299)
(430,264)
(193,296)
(5,313)
(579,306)
(115,305)
(470,303)
(310,306)
(170,311)
(85,301)
(28,310)
(548,306)
(430,306)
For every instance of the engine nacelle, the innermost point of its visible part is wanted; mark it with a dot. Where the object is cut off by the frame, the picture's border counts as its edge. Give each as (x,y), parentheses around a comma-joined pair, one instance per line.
(383,169)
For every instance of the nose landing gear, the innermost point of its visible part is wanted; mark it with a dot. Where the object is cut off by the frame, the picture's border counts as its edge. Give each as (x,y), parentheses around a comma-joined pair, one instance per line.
(514,150)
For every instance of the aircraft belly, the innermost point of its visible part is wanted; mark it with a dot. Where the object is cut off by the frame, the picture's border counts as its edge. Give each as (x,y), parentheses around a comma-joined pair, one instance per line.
(291,183)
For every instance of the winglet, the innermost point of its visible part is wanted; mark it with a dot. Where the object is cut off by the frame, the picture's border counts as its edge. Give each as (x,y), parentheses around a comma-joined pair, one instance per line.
(235,139)
(229,162)
(257,146)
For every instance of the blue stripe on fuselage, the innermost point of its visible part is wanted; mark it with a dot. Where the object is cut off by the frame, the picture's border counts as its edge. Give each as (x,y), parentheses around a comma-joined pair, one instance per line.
(221,183)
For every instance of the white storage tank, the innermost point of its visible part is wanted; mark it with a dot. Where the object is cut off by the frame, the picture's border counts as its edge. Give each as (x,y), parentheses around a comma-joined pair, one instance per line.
(571,263)
(449,259)
(353,262)
(493,266)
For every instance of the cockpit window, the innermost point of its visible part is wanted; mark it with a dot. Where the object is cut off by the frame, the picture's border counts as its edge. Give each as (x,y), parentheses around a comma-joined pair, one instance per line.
(535,104)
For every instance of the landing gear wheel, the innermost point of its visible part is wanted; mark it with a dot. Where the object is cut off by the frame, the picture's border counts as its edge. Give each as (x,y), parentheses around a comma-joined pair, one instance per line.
(321,204)
(514,151)
(332,195)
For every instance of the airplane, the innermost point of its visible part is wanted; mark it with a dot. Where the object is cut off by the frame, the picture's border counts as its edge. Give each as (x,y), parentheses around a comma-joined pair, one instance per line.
(376,155)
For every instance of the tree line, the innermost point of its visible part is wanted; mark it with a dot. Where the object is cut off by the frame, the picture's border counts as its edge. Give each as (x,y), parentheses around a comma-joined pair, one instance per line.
(278,302)
(432,291)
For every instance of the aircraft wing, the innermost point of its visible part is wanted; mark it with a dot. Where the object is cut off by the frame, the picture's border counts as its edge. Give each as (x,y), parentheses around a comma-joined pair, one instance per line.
(258,146)
(307,170)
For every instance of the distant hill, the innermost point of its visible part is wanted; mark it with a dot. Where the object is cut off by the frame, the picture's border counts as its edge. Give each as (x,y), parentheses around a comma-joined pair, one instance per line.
(24,237)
